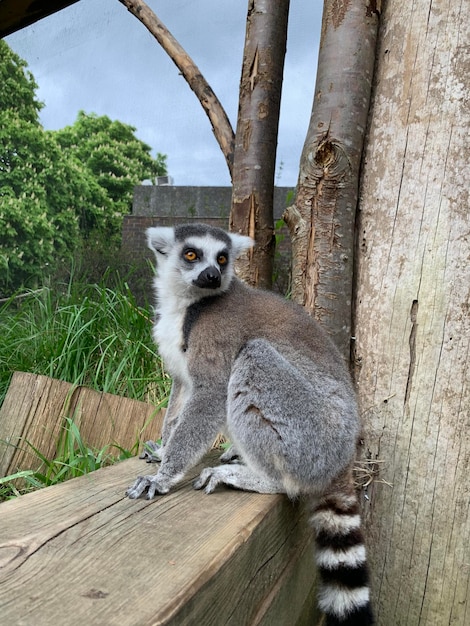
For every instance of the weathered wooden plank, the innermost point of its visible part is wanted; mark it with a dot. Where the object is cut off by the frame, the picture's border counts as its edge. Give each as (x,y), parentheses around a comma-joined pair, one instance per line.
(82,549)
(34,410)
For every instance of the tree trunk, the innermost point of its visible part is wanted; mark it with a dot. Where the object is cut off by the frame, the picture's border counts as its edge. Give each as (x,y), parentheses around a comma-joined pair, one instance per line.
(412,321)
(321,221)
(256,136)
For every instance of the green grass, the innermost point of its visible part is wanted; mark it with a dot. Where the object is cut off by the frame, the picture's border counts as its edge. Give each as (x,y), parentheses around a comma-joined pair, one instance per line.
(91,335)
(84,334)
(73,458)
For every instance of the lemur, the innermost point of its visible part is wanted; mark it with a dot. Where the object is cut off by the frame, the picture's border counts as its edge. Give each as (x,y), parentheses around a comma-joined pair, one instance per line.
(258,368)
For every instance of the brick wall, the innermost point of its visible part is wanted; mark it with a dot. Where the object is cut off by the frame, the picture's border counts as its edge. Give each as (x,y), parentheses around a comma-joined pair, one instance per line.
(176,201)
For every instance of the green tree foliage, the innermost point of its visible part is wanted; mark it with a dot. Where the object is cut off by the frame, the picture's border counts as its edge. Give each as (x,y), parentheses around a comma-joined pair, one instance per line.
(115,159)
(38,187)
(58,187)
(37,183)
(18,87)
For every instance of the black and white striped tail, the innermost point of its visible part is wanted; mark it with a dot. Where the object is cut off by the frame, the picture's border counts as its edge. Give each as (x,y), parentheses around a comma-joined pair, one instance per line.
(341,560)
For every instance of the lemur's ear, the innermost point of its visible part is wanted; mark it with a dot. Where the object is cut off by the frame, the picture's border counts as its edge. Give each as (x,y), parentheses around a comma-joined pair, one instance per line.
(240,243)
(161,239)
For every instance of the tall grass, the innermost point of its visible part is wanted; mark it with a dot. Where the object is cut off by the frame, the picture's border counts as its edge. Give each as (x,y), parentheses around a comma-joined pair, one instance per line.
(84,334)
(73,458)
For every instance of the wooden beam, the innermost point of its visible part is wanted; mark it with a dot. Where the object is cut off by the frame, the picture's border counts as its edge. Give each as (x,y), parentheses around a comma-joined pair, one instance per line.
(16,14)
(83,551)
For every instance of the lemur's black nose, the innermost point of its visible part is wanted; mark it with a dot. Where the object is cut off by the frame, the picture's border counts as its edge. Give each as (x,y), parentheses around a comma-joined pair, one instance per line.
(208,278)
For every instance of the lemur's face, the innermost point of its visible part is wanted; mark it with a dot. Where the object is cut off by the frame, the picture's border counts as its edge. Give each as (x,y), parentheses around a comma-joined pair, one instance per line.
(205,262)
(197,257)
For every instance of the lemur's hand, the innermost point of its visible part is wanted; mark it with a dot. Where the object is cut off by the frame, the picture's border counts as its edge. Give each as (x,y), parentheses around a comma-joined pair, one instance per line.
(152,452)
(152,484)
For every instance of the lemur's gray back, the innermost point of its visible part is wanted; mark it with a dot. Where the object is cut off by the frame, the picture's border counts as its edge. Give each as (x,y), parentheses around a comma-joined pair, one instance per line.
(250,364)
(242,314)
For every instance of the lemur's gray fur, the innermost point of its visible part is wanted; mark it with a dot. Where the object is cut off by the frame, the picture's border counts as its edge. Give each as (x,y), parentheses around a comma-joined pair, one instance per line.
(247,363)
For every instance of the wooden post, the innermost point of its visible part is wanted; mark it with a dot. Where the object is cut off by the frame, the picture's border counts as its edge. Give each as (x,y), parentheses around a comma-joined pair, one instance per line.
(256,137)
(412,323)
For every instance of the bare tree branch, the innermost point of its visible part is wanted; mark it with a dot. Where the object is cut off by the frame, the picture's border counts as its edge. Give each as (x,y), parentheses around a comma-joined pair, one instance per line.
(215,112)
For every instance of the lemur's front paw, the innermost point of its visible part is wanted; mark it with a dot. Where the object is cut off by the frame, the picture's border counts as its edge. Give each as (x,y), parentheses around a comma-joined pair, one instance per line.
(230,456)
(212,477)
(205,480)
(150,483)
(152,452)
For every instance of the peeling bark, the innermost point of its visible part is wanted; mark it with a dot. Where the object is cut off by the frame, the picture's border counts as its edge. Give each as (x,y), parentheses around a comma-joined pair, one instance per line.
(256,136)
(321,221)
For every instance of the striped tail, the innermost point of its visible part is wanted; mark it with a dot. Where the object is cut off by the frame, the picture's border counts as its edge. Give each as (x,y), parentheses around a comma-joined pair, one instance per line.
(341,559)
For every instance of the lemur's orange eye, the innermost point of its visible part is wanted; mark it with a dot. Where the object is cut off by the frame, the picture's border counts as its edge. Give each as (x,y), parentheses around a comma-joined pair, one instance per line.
(222,259)
(190,255)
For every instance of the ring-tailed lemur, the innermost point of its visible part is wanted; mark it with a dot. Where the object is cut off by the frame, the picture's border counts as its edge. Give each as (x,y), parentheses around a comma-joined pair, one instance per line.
(252,365)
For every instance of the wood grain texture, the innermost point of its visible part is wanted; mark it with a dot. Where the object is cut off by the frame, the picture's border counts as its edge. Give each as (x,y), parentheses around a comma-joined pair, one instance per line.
(412,314)
(82,552)
(254,157)
(34,410)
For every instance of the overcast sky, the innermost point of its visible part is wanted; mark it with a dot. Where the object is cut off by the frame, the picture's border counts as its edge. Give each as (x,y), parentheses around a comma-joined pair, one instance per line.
(98,57)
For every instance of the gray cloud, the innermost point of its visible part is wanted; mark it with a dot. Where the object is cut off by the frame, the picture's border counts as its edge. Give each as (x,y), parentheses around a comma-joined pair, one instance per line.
(97,57)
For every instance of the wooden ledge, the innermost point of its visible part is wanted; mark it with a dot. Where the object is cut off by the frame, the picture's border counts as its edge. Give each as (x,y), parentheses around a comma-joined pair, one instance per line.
(82,552)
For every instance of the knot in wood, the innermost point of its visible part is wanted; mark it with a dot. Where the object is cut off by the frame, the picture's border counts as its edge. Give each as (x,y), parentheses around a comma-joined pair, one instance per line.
(331,161)
(325,154)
